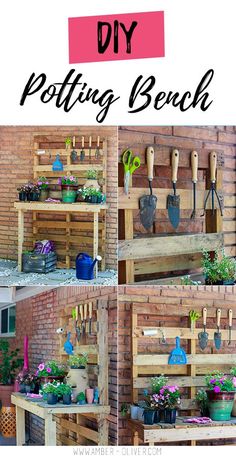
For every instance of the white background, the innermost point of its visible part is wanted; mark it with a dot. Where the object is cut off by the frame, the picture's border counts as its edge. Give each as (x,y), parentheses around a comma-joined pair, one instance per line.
(198,35)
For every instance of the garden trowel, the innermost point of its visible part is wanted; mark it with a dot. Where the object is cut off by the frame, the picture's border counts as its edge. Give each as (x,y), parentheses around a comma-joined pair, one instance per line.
(217,335)
(148,203)
(173,200)
(203,336)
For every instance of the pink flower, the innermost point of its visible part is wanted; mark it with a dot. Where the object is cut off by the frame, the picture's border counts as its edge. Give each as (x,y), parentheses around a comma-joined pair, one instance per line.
(49,370)
(172,389)
(41,367)
(36,372)
(216,389)
(234,381)
(162,390)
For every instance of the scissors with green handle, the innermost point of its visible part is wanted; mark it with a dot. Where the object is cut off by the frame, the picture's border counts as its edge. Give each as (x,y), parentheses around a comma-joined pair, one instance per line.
(130,165)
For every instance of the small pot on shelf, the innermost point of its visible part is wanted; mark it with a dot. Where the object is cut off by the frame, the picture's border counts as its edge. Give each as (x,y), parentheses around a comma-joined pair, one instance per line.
(52,399)
(170,416)
(157,416)
(220,404)
(34,196)
(66,399)
(43,195)
(149,415)
(69,193)
(22,196)
(89,395)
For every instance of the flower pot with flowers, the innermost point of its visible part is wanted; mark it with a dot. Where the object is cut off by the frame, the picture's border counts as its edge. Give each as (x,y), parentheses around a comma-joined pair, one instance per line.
(156,384)
(218,269)
(65,391)
(92,182)
(23,192)
(50,391)
(69,186)
(233,373)
(50,371)
(168,399)
(33,192)
(78,373)
(26,382)
(43,185)
(220,393)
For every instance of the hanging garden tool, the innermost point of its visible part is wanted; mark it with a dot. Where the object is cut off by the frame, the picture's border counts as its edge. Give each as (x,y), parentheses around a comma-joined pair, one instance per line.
(75,315)
(173,201)
(177,355)
(81,310)
(193,316)
(230,325)
(212,190)
(73,153)
(97,152)
(148,203)
(90,318)
(68,347)
(203,336)
(217,335)
(82,152)
(130,165)
(90,149)
(85,322)
(194,164)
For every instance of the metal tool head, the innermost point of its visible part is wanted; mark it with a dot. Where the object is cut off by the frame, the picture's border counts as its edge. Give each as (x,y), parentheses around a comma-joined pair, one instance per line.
(203,340)
(126,182)
(217,340)
(173,203)
(147,206)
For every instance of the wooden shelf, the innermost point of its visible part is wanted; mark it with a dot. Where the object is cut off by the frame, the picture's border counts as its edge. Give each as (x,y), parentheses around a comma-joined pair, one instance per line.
(60,207)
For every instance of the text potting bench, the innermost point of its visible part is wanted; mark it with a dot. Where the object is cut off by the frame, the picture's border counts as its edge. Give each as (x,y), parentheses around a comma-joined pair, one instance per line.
(154,252)
(78,227)
(188,377)
(76,424)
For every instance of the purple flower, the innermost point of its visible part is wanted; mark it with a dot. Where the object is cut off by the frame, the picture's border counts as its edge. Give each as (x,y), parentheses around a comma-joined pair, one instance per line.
(234,381)
(41,367)
(216,389)
(49,370)
(212,381)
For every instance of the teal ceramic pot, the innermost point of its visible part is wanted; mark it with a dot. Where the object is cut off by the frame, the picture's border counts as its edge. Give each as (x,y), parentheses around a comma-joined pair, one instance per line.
(52,399)
(66,399)
(220,405)
(69,194)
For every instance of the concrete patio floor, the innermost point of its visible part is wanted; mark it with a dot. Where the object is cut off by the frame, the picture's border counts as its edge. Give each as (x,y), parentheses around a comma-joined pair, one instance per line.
(9,276)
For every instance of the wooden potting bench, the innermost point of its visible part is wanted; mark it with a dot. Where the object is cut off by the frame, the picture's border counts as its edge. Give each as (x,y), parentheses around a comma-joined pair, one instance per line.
(74,227)
(76,424)
(188,377)
(153,253)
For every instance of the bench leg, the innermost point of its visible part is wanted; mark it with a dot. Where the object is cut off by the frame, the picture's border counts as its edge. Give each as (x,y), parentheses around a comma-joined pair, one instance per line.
(135,439)
(50,431)
(151,443)
(20,426)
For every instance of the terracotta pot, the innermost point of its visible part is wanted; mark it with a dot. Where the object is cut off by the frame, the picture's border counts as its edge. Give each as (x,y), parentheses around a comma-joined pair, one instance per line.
(5,394)
(89,395)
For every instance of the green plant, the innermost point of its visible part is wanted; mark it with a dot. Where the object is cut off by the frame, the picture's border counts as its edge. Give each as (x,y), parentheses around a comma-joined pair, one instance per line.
(51,368)
(187,281)
(64,389)
(157,383)
(92,174)
(27,378)
(9,362)
(79,360)
(69,180)
(233,371)
(81,397)
(201,399)
(219,382)
(51,388)
(218,269)
(43,183)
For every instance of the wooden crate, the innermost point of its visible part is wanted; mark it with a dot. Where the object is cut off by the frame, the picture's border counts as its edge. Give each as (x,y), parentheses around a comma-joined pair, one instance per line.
(142,256)
(188,377)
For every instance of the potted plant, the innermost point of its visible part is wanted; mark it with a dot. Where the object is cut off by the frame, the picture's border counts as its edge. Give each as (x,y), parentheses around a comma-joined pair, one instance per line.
(80,195)
(220,394)
(92,182)
(51,390)
(78,374)
(157,383)
(50,371)
(168,399)
(33,192)
(43,184)
(202,402)
(233,373)
(26,382)
(69,186)
(81,398)
(9,364)
(219,270)
(65,391)
(23,191)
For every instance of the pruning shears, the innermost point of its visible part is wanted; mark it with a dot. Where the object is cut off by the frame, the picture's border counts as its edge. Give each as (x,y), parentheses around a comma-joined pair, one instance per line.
(130,165)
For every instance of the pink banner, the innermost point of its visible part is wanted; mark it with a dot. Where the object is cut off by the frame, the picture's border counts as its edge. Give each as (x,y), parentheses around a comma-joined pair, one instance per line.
(116,37)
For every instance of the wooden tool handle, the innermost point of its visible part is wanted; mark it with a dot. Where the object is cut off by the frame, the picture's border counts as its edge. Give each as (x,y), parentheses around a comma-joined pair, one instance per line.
(218,317)
(204,316)
(230,317)
(150,162)
(98,141)
(194,163)
(81,312)
(175,164)
(213,162)
(76,313)
(85,311)
(90,141)
(90,310)
(73,142)
(82,141)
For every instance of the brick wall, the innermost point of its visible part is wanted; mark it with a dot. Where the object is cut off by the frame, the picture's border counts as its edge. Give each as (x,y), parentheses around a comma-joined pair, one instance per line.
(16,159)
(39,316)
(173,302)
(218,138)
